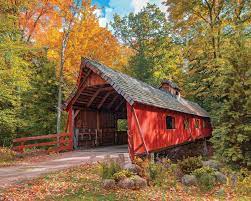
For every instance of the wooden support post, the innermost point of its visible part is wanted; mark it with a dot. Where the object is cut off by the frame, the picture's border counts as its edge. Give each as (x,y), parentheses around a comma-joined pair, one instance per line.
(97,130)
(140,131)
(71,128)
(76,133)
(130,146)
(67,124)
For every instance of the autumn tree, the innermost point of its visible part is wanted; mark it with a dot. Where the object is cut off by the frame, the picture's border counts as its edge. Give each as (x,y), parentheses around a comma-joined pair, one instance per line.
(14,70)
(73,32)
(148,34)
(33,15)
(215,37)
(27,79)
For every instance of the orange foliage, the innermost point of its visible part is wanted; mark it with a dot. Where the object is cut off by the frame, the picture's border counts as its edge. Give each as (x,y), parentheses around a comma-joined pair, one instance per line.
(87,38)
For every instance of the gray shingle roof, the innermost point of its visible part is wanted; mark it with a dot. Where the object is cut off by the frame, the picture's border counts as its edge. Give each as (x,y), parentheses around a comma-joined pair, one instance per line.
(172,84)
(134,90)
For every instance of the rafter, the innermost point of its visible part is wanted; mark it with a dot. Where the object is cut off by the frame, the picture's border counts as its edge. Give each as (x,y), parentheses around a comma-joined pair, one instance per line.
(120,103)
(82,86)
(103,100)
(112,102)
(97,93)
(93,97)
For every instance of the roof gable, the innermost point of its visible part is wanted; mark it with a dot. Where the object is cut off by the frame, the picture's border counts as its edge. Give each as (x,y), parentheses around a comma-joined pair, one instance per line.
(134,90)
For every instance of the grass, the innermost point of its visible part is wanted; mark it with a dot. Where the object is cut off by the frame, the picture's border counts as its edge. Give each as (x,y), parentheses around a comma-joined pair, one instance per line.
(84,183)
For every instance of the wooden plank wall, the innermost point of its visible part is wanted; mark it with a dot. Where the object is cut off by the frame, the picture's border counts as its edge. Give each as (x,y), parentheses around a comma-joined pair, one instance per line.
(152,123)
(87,121)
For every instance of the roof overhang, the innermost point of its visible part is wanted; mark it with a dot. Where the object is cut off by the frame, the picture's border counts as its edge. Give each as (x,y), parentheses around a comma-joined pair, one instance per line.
(85,63)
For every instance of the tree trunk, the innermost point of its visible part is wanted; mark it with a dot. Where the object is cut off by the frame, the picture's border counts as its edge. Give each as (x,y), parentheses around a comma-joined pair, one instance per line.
(60,86)
(65,40)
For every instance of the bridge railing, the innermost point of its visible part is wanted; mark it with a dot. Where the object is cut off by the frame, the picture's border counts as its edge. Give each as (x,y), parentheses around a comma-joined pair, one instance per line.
(65,142)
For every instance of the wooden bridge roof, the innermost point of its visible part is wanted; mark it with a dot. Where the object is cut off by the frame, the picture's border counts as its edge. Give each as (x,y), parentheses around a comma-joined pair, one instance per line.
(134,90)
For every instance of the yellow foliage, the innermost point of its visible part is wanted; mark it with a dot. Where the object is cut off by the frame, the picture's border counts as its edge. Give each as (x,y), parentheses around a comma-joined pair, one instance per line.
(87,38)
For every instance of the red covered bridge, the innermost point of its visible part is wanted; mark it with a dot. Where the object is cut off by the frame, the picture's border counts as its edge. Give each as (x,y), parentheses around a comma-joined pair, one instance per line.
(156,118)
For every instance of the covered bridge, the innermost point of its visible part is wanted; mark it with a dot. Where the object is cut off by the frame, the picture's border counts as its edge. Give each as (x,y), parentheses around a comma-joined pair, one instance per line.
(156,118)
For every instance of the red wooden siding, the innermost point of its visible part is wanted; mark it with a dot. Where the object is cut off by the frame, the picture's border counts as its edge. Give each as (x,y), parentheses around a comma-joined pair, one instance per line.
(152,121)
(100,103)
(94,79)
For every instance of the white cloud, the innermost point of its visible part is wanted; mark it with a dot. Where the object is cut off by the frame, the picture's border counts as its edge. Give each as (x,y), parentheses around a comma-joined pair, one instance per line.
(105,20)
(138,4)
(98,12)
(123,7)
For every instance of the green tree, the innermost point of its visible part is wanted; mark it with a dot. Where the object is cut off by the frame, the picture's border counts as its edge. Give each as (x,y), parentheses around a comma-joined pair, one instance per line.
(148,34)
(39,103)
(14,70)
(27,81)
(216,40)
(232,133)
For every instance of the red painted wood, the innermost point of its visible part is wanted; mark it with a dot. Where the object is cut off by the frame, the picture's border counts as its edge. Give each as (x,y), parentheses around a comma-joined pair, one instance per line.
(24,139)
(94,79)
(71,127)
(138,125)
(153,128)
(147,127)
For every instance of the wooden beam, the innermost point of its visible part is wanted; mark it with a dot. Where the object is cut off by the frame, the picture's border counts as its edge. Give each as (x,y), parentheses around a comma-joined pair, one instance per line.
(118,106)
(96,94)
(76,113)
(106,89)
(138,147)
(93,97)
(130,144)
(67,123)
(139,129)
(81,87)
(103,100)
(71,128)
(80,102)
(113,101)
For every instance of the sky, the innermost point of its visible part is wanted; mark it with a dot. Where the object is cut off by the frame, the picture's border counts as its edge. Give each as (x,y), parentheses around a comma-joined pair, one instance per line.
(107,8)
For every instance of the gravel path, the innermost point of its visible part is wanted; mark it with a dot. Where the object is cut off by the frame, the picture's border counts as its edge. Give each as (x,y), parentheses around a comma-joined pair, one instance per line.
(15,174)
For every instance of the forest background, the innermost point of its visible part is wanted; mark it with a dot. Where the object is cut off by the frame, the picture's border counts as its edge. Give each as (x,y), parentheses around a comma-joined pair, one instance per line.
(203,45)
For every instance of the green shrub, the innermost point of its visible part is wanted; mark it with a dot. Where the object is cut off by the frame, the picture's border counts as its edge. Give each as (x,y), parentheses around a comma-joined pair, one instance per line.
(157,173)
(206,178)
(108,169)
(122,175)
(190,164)
(154,170)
